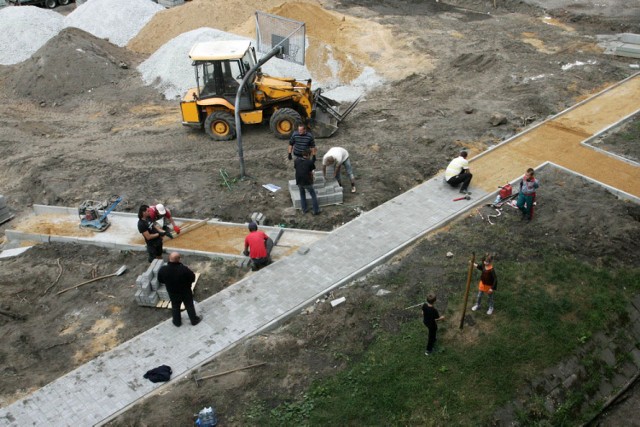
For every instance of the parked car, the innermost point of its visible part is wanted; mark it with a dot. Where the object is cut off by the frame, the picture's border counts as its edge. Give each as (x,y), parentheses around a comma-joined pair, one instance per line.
(43,3)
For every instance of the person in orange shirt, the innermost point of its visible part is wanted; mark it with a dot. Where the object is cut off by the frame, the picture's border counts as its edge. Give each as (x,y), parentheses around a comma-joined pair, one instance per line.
(488,282)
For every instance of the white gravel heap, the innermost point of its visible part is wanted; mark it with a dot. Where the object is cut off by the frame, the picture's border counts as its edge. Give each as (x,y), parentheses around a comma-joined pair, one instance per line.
(116,20)
(24,30)
(169,69)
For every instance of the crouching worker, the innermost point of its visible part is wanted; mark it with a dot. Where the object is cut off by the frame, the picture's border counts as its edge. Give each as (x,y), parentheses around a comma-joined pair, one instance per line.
(160,212)
(257,246)
(458,172)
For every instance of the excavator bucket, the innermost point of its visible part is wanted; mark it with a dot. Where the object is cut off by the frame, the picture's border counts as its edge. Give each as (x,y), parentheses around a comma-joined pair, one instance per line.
(323,124)
(326,115)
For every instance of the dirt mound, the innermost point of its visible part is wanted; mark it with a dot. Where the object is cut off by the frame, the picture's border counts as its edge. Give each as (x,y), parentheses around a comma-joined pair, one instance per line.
(340,47)
(223,15)
(71,63)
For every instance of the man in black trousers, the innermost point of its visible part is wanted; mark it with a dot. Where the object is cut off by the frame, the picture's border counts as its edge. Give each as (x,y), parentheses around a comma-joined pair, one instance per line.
(178,278)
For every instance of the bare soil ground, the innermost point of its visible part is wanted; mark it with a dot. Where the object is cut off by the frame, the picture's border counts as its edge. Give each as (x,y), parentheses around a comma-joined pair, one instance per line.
(623,141)
(315,346)
(102,133)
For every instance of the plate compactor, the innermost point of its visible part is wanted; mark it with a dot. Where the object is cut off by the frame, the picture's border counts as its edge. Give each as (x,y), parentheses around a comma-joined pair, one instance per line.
(94,215)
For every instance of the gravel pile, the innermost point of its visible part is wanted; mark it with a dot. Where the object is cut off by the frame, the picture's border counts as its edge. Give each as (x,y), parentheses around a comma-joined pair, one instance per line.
(169,69)
(25,30)
(115,20)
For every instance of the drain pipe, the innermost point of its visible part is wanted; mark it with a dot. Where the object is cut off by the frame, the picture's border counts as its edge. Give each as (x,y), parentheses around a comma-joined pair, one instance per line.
(273,52)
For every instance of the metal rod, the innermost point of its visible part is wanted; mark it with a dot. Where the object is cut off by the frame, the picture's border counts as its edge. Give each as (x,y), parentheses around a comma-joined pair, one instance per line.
(466,293)
(273,52)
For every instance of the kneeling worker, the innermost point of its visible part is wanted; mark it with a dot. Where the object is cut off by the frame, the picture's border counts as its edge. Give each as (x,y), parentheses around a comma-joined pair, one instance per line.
(458,172)
(257,246)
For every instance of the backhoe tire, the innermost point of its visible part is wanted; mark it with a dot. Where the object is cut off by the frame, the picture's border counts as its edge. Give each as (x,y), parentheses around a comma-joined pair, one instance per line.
(221,126)
(64,2)
(283,122)
(51,3)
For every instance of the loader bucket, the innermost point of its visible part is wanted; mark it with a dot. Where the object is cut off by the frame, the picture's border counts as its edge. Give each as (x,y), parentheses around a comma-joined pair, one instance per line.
(323,124)
(327,116)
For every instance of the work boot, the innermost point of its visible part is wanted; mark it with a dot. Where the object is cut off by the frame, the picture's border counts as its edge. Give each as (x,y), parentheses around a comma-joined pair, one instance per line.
(197,320)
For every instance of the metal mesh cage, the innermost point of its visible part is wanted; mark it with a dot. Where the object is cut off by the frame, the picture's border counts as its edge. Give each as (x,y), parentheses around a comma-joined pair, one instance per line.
(273,30)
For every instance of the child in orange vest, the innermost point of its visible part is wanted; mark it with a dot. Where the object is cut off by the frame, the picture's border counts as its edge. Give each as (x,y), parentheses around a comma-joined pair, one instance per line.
(488,282)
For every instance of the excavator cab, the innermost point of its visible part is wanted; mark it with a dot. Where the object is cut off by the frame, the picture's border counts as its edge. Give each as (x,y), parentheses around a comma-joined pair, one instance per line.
(222,78)
(219,70)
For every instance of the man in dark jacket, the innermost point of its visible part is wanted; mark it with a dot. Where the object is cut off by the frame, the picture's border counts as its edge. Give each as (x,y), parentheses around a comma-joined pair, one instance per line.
(301,141)
(178,278)
(304,179)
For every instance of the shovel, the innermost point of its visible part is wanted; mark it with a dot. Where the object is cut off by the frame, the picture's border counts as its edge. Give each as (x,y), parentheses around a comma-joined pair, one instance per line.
(117,273)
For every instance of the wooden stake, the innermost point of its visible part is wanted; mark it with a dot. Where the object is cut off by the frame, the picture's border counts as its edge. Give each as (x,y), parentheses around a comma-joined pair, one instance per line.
(466,293)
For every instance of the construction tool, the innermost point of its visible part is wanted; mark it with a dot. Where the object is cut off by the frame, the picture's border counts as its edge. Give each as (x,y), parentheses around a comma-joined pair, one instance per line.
(120,271)
(191,227)
(94,215)
(466,197)
(468,287)
(414,306)
(197,380)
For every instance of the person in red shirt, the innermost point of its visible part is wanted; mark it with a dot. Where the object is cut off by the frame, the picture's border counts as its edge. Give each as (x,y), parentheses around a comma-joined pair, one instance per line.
(159,212)
(257,246)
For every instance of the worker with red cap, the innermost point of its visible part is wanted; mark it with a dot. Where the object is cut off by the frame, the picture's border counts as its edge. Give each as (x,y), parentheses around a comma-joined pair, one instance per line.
(160,212)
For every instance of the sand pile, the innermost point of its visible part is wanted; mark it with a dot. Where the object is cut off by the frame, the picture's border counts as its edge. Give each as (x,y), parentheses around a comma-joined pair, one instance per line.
(116,20)
(225,15)
(24,30)
(71,63)
(342,50)
(169,69)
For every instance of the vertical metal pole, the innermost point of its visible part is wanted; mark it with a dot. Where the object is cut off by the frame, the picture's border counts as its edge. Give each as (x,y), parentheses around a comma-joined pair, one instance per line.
(466,293)
(246,78)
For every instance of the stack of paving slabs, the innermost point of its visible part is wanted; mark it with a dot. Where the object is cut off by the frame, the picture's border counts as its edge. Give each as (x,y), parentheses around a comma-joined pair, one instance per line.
(5,214)
(328,191)
(149,290)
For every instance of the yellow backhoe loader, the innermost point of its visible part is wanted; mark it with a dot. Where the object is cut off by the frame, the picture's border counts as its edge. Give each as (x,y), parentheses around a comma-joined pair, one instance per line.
(220,67)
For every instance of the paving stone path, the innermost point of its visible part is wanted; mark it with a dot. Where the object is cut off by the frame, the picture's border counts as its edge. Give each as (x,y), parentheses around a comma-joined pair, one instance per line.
(100,389)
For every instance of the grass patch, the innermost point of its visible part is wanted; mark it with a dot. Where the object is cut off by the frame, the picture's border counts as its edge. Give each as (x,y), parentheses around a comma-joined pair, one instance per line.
(544,310)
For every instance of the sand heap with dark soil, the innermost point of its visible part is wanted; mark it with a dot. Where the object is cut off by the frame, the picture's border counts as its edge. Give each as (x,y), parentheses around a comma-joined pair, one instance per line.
(225,15)
(72,63)
(340,48)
